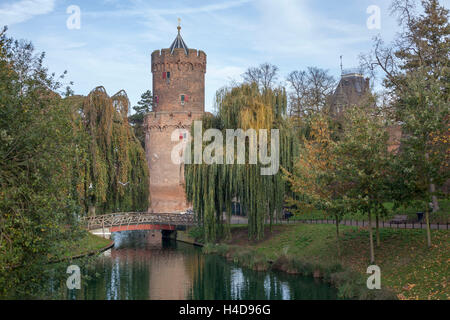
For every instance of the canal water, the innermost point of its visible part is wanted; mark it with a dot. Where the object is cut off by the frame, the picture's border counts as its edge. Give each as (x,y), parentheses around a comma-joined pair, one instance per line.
(141,266)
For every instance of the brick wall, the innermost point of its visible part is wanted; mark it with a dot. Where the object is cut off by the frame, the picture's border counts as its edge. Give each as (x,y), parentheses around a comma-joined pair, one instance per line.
(187,77)
(166,178)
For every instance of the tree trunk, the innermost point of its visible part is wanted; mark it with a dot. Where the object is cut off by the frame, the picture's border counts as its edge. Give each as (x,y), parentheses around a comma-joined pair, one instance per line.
(427,220)
(372,251)
(270,217)
(229,213)
(377,229)
(427,208)
(91,212)
(337,237)
(434,198)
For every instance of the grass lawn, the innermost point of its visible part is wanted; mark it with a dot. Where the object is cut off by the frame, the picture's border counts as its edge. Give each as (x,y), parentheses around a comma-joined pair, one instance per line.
(408,267)
(88,244)
(441,216)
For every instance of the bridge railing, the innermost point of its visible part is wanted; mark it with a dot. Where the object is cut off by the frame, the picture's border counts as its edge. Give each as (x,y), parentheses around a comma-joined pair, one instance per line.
(132,218)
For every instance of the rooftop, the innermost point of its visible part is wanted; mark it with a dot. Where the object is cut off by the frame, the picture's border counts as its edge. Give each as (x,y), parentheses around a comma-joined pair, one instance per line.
(179,43)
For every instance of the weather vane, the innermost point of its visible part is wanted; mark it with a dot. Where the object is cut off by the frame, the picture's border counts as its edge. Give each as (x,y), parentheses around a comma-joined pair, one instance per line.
(179,25)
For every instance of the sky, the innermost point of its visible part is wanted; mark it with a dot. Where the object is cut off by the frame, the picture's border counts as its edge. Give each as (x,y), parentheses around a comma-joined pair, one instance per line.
(112,44)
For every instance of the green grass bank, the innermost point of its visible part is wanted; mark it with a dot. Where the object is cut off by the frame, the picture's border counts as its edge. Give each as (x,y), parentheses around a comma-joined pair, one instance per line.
(409,270)
(90,244)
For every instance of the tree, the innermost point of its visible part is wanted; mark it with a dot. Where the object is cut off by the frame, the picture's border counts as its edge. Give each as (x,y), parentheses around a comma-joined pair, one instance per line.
(37,182)
(311,90)
(143,107)
(115,171)
(264,76)
(212,187)
(58,157)
(417,74)
(364,163)
(314,179)
(423,162)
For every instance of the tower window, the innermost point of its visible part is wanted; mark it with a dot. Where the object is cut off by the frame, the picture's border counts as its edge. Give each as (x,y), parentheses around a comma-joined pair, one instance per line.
(184,98)
(166,75)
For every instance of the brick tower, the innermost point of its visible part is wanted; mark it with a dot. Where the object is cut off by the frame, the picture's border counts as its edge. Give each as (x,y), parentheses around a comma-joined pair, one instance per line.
(178,100)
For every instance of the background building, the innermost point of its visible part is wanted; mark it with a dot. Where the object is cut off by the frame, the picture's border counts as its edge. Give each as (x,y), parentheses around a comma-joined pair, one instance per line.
(351,90)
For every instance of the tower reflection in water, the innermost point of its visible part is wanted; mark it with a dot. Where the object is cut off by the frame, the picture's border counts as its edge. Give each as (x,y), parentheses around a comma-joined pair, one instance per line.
(143,266)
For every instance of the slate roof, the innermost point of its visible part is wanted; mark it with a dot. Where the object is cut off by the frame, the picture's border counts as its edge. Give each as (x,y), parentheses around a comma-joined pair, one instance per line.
(178,43)
(350,90)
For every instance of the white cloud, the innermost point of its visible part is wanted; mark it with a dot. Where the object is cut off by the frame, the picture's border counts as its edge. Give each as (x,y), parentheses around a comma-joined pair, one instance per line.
(292,30)
(141,9)
(116,67)
(11,13)
(220,76)
(206,8)
(59,43)
(229,73)
(217,77)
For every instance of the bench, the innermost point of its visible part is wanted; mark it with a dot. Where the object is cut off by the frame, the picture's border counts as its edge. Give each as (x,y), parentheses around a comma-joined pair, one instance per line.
(399,219)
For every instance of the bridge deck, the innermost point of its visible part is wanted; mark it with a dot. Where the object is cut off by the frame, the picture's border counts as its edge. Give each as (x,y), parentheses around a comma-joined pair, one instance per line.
(134,218)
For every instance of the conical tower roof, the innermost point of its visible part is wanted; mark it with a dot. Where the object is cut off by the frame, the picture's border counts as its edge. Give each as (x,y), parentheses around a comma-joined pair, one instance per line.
(178,43)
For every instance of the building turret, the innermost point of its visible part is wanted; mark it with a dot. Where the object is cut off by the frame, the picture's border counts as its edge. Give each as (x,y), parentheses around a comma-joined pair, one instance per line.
(351,90)
(178,100)
(179,77)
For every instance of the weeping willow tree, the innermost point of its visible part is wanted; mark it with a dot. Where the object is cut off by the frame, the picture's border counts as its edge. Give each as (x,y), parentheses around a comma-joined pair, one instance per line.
(212,187)
(113,173)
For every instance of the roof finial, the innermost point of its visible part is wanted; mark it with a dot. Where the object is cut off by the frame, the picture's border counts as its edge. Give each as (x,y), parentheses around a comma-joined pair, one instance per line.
(178,42)
(342,69)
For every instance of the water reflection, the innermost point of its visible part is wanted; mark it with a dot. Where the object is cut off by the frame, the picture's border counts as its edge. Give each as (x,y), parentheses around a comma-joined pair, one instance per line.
(219,280)
(143,266)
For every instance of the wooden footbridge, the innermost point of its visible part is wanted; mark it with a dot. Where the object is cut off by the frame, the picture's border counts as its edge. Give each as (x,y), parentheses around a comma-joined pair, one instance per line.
(139,221)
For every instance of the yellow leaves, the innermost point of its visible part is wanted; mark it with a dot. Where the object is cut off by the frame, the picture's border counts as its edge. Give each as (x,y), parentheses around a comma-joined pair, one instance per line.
(400,296)
(256,115)
(316,162)
(409,286)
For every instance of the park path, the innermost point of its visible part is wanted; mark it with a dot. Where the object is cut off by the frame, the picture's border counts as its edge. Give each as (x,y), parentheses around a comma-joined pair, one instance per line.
(383,224)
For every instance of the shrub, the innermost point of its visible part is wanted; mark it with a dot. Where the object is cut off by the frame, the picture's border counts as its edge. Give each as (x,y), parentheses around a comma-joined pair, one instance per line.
(197,234)
(211,248)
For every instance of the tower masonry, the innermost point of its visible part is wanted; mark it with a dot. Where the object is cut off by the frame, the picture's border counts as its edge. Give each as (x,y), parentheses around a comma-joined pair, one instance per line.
(179,79)
(178,100)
